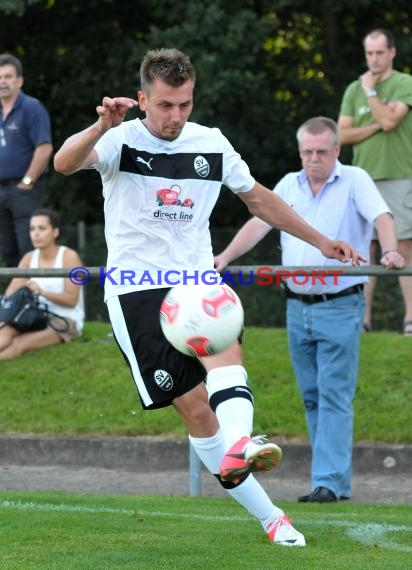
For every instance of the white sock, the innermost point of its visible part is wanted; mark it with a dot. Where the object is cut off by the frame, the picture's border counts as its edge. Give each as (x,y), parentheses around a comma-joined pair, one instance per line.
(210,450)
(250,494)
(227,385)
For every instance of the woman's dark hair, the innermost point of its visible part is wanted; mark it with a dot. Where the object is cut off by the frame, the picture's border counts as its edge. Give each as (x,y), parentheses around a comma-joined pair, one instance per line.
(53,216)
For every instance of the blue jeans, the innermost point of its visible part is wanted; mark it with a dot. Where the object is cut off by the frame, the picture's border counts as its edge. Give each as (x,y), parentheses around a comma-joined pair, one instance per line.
(324,343)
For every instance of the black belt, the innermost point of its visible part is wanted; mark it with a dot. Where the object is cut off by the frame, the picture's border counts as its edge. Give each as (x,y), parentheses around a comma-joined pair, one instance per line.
(309,299)
(9,182)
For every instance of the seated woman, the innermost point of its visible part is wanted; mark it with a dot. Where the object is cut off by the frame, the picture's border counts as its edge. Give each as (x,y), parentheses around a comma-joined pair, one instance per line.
(62,297)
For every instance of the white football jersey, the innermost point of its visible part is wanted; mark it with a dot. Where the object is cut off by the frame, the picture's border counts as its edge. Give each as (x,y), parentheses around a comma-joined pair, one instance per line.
(158,197)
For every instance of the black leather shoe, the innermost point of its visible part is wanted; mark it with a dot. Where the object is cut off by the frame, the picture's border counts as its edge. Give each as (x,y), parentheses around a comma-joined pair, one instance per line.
(319,495)
(303,498)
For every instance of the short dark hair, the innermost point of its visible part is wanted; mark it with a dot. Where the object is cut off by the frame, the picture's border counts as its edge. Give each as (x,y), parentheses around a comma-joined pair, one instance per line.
(8,59)
(168,64)
(53,216)
(317,125)
(390,40)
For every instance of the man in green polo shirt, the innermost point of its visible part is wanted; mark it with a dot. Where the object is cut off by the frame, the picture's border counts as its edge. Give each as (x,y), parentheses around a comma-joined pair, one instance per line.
(375,118)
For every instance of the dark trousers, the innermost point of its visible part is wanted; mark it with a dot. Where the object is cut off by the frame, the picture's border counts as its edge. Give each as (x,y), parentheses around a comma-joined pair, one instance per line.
(16,208)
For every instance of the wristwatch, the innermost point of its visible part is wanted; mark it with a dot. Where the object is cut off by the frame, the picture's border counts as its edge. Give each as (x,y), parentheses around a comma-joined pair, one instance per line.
(372,93)
(27,180)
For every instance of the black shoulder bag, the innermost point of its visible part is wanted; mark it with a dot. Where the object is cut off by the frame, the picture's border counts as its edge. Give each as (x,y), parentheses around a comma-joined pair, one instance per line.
(23,311)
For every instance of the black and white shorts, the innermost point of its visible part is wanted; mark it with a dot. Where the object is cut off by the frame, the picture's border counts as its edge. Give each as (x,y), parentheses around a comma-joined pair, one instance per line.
(161,373)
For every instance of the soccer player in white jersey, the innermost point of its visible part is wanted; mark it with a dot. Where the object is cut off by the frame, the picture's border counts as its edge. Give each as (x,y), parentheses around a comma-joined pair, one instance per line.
(161,178)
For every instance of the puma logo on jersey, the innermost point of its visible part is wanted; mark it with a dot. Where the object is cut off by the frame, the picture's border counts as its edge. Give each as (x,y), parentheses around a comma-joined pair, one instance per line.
(146,162)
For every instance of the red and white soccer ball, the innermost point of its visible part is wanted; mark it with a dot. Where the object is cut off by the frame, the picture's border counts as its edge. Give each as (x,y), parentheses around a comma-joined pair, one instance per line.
(200,320)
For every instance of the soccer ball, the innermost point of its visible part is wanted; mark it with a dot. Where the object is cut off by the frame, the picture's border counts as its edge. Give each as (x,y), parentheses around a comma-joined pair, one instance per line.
(200,320)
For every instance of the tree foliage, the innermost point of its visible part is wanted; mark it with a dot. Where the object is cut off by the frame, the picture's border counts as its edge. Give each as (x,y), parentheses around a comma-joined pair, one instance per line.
(263,68)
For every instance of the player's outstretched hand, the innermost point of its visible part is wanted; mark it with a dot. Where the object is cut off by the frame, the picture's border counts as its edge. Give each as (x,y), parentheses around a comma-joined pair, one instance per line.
(342,251)
(113,111)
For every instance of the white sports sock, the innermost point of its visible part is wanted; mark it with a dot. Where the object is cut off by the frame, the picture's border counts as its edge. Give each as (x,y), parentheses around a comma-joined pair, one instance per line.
(235,414)
(210,450)
(250,494)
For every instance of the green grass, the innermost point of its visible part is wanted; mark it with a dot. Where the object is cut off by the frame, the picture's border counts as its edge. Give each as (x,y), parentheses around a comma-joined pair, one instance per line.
(85,387)
(45,531)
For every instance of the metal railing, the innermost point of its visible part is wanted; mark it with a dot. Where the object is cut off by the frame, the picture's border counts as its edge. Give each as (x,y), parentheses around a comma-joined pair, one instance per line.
(377,270)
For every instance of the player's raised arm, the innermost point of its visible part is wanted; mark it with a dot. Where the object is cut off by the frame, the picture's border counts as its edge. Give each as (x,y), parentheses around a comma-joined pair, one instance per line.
(77,152)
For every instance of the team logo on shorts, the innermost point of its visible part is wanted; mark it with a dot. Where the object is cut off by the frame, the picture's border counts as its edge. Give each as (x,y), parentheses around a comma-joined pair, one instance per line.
(163,380)
(201,166)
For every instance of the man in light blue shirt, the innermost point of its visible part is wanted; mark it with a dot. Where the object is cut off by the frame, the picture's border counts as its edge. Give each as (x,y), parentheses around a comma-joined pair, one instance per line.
(325,315)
